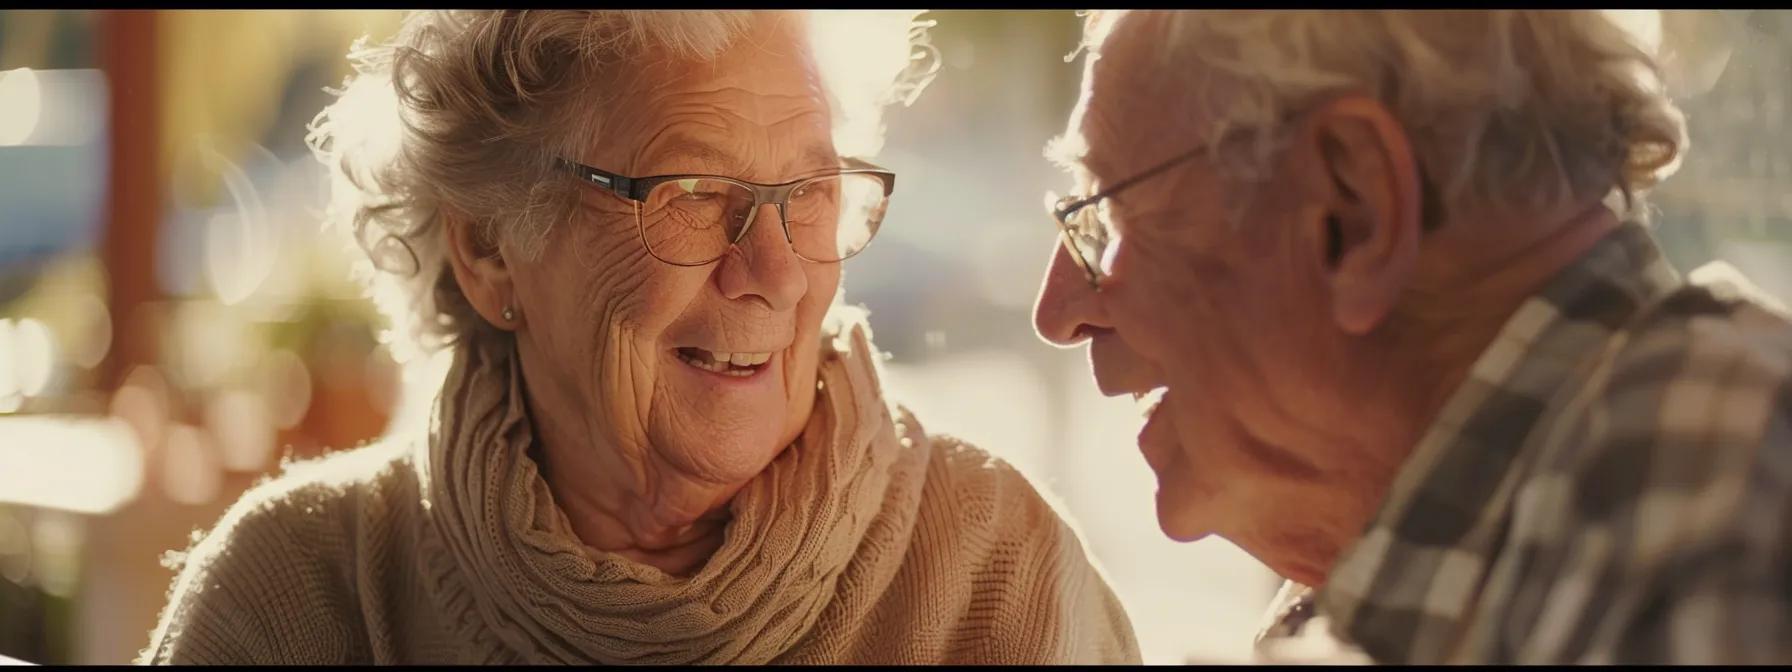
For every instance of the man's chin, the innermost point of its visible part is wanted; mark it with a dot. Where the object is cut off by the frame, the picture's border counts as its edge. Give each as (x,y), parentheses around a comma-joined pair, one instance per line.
(1175,519)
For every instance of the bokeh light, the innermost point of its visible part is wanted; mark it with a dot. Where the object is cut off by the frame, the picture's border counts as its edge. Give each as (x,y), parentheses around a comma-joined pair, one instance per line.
(286,387)
(212,342)
(94,338)
(23,105)
(143,404)
(190,466)
(15,549)
(33,355)
(239,424)
(57,538)
(69,463)
(11,397)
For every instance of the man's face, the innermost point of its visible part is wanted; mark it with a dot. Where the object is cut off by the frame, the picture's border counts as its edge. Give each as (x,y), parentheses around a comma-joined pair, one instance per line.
(1231,320)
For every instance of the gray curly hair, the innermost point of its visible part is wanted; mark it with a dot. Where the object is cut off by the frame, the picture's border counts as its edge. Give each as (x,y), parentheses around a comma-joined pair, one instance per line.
(462,112)
(1504,108)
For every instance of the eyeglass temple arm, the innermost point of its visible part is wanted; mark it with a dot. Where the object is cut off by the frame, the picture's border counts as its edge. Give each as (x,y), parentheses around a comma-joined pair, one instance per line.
(617,184)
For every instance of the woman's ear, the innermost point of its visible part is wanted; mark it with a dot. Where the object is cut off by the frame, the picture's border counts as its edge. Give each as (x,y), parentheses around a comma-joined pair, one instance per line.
(1367,227)
(480,270)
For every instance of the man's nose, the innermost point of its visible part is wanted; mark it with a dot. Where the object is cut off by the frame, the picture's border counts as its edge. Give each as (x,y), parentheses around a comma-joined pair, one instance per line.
(1068,310)
(763,265)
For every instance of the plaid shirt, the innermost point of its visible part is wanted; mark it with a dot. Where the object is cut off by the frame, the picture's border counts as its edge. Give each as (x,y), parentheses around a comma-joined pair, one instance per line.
(1611,484)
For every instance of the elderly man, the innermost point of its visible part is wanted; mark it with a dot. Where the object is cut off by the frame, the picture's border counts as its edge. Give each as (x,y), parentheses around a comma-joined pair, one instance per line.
(1418,351)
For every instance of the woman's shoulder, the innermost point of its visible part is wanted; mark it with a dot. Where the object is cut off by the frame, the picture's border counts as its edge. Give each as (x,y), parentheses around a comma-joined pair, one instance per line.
(313,500)
(985,491)
(1013,555)
(280,561)
(979,501)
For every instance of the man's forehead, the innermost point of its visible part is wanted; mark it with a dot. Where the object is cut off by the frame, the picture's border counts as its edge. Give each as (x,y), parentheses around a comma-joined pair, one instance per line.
(1100,26)
(1109,102)
(1069,150)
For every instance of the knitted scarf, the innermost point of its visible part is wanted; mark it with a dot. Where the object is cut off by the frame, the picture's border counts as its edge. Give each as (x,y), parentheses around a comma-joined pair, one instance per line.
(505,567)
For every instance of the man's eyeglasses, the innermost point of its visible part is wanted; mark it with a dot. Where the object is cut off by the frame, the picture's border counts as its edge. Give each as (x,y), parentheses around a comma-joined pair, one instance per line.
(692,220)
(1085,221)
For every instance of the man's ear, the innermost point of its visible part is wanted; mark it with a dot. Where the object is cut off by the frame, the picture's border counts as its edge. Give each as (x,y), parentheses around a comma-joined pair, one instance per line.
(1365,232)
(480,270)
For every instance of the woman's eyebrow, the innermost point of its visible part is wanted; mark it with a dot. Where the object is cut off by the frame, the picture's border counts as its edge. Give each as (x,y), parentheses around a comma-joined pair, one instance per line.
(817,157)
(688,148)
(813,158)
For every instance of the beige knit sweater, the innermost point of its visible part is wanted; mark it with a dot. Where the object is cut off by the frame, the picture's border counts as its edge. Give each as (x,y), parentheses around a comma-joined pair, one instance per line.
(866,542)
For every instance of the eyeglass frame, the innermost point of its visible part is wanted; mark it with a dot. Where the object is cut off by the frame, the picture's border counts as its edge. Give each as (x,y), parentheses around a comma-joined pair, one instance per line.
(1065,208)
(636,189)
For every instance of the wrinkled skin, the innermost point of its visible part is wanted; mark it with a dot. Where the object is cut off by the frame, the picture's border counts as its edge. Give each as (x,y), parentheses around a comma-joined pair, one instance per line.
(642,450)
(1304,351)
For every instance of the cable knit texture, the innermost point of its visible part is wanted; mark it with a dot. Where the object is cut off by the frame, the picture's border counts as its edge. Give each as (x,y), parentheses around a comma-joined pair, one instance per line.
(865,542)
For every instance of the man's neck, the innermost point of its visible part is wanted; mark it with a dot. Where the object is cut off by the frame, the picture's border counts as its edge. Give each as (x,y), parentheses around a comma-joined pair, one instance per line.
(1473,277)
(1476,275)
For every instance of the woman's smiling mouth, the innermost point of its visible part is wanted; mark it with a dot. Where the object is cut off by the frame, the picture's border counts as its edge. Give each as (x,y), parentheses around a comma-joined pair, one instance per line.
(737,364)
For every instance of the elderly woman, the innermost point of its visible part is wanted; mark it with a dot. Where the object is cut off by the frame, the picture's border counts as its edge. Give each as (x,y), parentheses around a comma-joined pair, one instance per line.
(660,440)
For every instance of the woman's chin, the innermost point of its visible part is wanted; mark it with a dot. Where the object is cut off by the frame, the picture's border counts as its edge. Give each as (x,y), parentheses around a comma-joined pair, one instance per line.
(731,426)
(712,468)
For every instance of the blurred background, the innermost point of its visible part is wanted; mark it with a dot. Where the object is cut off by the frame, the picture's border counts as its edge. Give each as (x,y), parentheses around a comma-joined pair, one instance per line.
(174,324)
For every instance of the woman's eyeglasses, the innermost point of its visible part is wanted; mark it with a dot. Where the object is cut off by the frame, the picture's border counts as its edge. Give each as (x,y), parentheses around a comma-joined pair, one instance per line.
(692,220)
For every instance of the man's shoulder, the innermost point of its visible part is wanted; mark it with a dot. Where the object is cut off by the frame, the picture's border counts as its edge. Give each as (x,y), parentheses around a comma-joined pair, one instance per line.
(1661,484)
(1712,361)
(1718,326)
(1697,393)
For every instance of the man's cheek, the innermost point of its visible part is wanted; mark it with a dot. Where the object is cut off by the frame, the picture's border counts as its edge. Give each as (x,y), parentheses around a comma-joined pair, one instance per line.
(1150,328)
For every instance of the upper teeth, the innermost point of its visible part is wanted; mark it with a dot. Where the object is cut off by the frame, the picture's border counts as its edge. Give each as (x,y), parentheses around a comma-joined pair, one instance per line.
(1148,400)
(741,358)
(721,362)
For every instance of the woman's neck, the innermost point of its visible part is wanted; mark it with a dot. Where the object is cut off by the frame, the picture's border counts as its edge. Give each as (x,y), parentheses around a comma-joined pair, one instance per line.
(624,519)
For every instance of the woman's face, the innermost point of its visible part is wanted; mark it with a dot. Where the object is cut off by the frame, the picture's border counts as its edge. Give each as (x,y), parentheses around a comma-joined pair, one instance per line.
(619,347)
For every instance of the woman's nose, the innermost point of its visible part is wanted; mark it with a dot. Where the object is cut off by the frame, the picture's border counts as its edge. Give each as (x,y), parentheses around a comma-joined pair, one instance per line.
(1068,309)
(763,265)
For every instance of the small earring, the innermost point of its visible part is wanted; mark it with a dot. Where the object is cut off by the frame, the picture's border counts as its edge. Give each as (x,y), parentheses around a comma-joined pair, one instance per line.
(509,314)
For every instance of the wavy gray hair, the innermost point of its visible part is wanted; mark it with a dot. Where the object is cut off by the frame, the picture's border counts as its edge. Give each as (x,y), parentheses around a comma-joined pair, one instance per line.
(463,112)
(1504,108)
